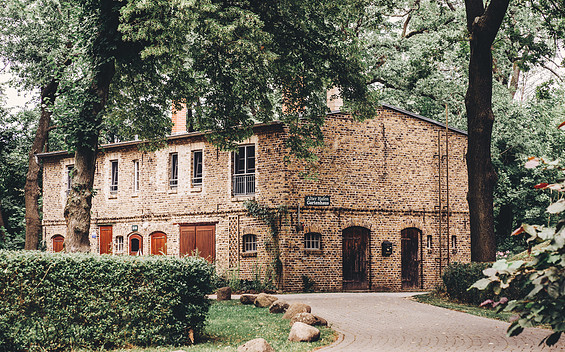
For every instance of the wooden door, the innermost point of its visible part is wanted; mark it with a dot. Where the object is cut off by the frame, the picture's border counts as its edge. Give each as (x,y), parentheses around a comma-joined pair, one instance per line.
(135,244)
(409,253)
(201,238)
(105,239)
(158,243)
(355,247)
(58,243)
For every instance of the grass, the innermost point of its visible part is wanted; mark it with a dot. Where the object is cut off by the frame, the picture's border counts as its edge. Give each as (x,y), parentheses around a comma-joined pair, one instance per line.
(231,324)
(439,301)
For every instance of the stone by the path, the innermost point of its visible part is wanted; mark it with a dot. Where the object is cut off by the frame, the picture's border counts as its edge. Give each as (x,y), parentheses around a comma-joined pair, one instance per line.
(223,294)
(306,318)
(256,345)
(247,299)
(301,332)
(264,300)
(278,306)
(296,308)
(321,321)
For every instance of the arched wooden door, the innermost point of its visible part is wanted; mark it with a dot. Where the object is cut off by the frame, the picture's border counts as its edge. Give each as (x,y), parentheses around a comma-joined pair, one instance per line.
(158,243)
(410,261)
(135,244)
(355,247)
(58,243)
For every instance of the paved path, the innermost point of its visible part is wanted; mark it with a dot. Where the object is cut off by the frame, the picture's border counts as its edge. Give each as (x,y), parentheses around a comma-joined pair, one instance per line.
(392,322)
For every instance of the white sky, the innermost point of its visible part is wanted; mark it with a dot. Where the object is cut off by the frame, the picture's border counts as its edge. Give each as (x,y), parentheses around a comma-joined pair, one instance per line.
(14,99)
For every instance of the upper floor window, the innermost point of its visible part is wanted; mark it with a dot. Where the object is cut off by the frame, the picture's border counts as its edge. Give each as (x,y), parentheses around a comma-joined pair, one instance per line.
(197,168)
(114,180)
(70,169)
(313,240)
(249,243)
(174,170)
(429,242)
(136,176)
(244,170)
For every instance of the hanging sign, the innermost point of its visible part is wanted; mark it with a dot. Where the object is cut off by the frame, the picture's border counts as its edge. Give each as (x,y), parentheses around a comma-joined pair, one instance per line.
(317,200)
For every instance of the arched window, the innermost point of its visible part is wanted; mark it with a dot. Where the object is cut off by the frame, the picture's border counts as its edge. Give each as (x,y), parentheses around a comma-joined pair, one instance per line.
(158,243)
(58,243)
(313,241)
(119,244)
(249,243)
(135,244)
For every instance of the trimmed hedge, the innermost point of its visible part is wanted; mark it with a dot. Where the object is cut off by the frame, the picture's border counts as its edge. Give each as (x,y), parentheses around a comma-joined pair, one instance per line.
(458,277)
(56,302)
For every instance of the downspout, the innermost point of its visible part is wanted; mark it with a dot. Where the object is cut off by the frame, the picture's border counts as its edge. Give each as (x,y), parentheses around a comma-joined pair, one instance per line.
(439,199)
(447,181)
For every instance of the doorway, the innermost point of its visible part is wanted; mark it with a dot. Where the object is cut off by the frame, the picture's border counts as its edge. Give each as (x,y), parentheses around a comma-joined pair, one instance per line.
(105,236)
(158,243)
(135,244)
(355,246)
(410,261)
(198,238)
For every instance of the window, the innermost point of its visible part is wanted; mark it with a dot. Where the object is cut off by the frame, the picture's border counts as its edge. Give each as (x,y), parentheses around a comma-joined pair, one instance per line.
(197,168)
(136,176)
(249,243)
(313,240)
(244,170)
(70,169)
(119,244)
(454,242)
(429,242)
(174,170)
(114,182)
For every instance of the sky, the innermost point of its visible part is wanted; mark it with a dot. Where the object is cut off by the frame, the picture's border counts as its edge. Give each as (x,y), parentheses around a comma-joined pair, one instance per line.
(14,100)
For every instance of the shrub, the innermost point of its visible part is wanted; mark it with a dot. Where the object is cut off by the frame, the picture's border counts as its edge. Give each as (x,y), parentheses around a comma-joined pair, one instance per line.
(55,302)
(458,277)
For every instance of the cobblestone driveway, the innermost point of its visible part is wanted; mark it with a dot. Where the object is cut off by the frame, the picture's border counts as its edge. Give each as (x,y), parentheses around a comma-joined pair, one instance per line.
(391,322)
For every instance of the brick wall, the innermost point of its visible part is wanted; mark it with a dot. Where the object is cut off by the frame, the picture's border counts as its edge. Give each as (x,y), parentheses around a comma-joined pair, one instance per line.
(381,174)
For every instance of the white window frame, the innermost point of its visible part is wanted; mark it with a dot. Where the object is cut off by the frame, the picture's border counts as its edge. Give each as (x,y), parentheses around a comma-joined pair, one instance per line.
(429,242)
(114,176)
(136,176)
(249,242)
(197,177)
(70,169)
(173,170)
(119,243)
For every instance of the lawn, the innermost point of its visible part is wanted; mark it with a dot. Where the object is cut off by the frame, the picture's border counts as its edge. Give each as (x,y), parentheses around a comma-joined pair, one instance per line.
(230,324)
(466,308)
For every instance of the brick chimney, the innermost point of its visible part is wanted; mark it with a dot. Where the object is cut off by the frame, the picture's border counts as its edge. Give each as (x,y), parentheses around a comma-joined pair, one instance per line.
(334,101)
(179,120)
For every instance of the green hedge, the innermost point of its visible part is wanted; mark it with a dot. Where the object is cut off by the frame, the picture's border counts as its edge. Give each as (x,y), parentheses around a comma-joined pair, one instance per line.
(458,277)
(56,302)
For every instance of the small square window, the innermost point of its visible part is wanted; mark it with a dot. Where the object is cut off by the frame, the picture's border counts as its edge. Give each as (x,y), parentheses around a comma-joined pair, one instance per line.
(249,243)
(313,241)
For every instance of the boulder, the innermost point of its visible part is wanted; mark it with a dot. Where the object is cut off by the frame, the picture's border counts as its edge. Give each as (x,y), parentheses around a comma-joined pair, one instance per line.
(306,318)
(256,345)
(264,300)
(278,307)
(223,294)
(247,299)
(296,308)
(321,321)
(301,332)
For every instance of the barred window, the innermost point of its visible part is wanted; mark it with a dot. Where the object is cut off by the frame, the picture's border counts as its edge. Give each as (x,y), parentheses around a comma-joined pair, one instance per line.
(249,243)
(312,240)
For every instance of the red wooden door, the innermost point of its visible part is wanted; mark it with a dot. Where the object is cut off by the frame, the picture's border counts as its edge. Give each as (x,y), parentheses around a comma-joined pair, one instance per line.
(198,237)
(135,244)
(105,239)
(158,243)
(58,243)
(355,246)
(409,253)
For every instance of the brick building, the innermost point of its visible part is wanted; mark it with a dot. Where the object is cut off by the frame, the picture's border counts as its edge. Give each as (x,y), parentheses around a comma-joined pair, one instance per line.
(374,217)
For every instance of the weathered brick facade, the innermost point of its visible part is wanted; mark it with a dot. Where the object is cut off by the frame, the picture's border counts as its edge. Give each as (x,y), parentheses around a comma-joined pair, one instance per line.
(383,176)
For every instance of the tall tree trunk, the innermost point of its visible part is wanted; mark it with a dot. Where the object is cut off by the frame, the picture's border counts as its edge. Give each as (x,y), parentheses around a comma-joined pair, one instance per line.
(515,79)
(483,25)
(79,200)
(32,191)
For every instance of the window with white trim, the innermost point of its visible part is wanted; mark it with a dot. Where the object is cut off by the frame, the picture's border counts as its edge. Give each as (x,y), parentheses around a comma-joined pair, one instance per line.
(174,170)
(244,170)
(119,244)
(249,243)
(114,175)
(70,169)
(313,241)
(429,242)
(197,168)
(136,176)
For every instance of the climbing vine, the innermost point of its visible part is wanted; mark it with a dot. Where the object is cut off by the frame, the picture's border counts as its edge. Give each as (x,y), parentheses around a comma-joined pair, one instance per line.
(272,218)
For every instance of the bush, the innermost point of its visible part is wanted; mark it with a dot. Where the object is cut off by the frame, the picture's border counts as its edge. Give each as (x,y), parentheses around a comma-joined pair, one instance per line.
(55,302)
(458,277)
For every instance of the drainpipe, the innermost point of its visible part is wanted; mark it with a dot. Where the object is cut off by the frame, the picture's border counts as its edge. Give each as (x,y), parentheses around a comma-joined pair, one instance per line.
(447,180)
(439,199)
